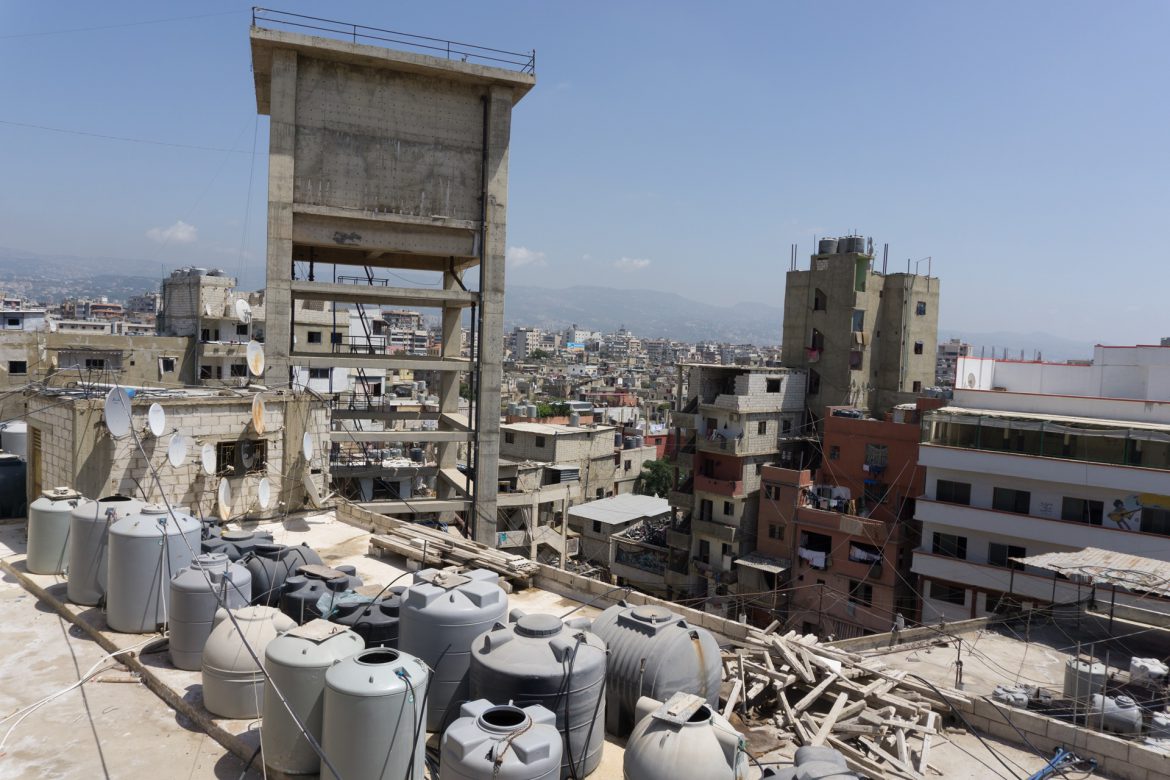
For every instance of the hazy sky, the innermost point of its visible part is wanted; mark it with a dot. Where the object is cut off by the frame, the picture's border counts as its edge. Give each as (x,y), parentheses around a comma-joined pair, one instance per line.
(680,146)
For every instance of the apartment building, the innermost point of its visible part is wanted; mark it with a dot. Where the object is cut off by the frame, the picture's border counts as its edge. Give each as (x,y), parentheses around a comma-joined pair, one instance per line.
(1033,457)
(735,421)
(947,361)
(866,338)
(523,342)
(592,454)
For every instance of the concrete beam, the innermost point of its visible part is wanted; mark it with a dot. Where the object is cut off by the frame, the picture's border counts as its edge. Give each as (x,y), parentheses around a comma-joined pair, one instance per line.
(391,436)
(417,506)
(357,257)
(369,235)
(394,362)
(377,295)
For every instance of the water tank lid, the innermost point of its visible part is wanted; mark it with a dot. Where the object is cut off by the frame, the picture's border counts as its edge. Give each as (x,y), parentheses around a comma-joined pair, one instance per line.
(211,560)
(539,625)
(236,536)
(653,614)
(316,644)
(61,494)
(378,671)
(154,509)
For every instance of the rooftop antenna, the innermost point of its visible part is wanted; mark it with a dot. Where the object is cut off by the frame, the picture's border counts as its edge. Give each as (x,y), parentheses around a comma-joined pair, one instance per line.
(885,257)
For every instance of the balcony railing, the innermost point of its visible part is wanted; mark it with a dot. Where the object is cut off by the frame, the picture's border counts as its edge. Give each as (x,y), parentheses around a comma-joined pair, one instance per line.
(722,487)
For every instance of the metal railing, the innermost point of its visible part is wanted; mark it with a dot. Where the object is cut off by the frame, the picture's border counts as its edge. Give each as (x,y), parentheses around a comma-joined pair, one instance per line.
(524,62)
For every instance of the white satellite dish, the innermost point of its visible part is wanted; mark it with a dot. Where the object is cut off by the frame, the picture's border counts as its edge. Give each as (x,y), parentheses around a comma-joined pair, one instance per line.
(177,450)
(971,381)
(225,499)
(264,493)
(243,311)
(118,412)
(258,413)
(255,358)
(207,310)
(311,492)
(156,418)
(307,446)
(207,456)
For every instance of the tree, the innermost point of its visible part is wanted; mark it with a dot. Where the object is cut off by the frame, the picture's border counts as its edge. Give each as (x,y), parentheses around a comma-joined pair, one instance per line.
(539,354)
(656,479)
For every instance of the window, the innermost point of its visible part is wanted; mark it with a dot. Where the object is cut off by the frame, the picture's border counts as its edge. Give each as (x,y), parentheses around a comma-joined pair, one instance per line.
(920,309)
(314,336)
(17,366)
(95,364)
(875,492)
(318,373)
(237,458)
(241,370)
(916,387)
(539,441)
(917,347)
(1082,510)
(814,382)
(1155,521)
(597,526)
(773,385)
(600,493)
(334,338)
(858,320)
(1009,500)
(762,428)
(728,508)
(951,594)
(859,552)
(998,555)
(205,334)
(786,426)
(950,545)
(860,593)
(241,329)
(13,322)
(509,437)
(759,469)
(775,531)
(166,365)
(704,551)
(856,358)
(834,452)
(952,492)
(817,340)
(877,455)
(771,492)
(820,300)
(628,465)
(205,372)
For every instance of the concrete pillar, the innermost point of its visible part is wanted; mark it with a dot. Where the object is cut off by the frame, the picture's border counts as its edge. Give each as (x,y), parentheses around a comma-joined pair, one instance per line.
(281,148)
(498,122)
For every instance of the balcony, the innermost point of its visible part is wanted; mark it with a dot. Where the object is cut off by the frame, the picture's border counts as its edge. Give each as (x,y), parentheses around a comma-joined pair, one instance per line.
(718,531)
(683,497)
(683,419)
(722,487)
(685,460)
(678,540)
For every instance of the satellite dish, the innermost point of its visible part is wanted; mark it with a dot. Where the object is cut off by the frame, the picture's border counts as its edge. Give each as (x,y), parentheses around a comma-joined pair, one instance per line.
(311,493)
(255,358)
(243,311)
(264,493)
(118,412)
(225,499)
(307,446)
(247,455)
(156,418)
(971,381)
(258,413)
(207,456)
(207,310)
(177,450)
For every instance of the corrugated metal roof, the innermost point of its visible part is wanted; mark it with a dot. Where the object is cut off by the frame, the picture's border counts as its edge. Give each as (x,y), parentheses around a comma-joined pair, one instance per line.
(762,562)
(621,509)
(1108,567)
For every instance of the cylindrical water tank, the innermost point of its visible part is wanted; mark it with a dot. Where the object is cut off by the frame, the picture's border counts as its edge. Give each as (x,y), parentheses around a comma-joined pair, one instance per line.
(14,438)
(417,455)
(300,594)
(271,564)
(196,595)
(13,489)
(1115,714)
(89,527)
(1083,677)
(442,613)
(375,717)
(628,443)
(683,739)
(617,439)
(376,622)
(1149,671)
(237,544)
(813,762)
(296,663)
(501,742)
(511,410)
(233,682)
(48,530)
(529,661)
(1009,694)
(531,411)
(574,419)
(639,442)
(146,550)
(827,246)
(1160,725)
(655,652)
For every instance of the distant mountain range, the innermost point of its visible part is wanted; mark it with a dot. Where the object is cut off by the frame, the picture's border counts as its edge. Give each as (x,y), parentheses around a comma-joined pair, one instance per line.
(1021,345)
(53,278)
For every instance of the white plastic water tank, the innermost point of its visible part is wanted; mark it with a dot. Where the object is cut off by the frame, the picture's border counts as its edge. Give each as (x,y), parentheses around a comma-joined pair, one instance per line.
(1147,670)
(233,683)
(147,549)
(14,438)
(48,530)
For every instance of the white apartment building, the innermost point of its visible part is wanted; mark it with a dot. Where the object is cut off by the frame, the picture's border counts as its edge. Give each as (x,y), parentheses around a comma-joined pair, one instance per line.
(1034,457)
(524,341)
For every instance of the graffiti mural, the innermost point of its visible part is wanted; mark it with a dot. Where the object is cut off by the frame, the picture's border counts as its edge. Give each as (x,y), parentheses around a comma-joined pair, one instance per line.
(1142,512)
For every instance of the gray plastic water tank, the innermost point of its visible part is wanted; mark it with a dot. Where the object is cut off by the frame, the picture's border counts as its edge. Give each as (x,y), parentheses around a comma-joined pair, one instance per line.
(529,660)
(89,526)
(827,246)
(233,682)
(271,564)
(48,530)
(683,739)
(196,592)
(375,717)
(441,615)
(1115,714)
(296,663)
(655,652)
(503,742)
(1083,677)
(146,550)
(813,762)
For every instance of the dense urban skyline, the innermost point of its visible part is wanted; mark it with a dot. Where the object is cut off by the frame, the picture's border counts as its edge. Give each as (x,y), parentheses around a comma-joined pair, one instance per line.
(659,141)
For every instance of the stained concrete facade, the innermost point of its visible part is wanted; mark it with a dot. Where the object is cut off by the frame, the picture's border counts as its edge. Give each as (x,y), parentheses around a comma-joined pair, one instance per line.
(383,159)
(867,339)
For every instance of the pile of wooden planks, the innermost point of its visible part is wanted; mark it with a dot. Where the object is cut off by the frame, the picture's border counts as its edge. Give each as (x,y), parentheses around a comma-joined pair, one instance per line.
(881,720)
(435,548)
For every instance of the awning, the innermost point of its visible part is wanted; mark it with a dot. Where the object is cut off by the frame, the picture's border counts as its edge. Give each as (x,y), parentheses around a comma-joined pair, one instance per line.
(1107,567)
(770,565)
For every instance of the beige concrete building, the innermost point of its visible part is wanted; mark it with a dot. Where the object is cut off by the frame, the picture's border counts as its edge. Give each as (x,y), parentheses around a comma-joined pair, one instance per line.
(69,444)
(378,160)
(866,338)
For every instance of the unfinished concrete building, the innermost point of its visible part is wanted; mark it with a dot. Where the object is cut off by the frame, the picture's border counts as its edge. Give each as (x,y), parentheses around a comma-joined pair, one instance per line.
(866,338)
(383,161)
